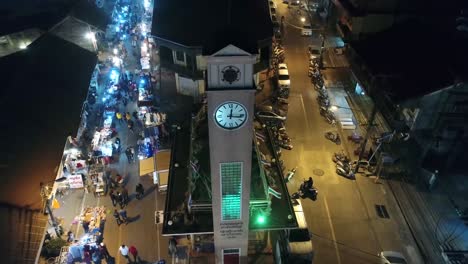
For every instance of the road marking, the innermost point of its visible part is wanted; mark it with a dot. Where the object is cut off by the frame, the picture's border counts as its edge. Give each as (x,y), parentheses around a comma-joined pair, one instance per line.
(81,210)
(383,189)
(304,111)
(332,230)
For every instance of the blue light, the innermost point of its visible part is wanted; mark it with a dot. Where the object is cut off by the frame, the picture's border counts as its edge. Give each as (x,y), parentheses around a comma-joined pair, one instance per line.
(117,28)
(144,34)
(124,36)
(122,20)
(142,81)
(114,74)
(103,99)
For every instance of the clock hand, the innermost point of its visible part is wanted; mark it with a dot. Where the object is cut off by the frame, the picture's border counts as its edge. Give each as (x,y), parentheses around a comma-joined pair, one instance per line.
(230,115)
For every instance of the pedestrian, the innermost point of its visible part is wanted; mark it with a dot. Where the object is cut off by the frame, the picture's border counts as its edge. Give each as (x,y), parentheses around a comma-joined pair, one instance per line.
(96,257)
(70,237)
(87,257)
(134,253)
(123,214)
(139,191)
(113,197)
(104,252)
(118,115)
(125,195)
(85,226)
(130,125)
(117,217)
(124,251)
(120,199)
(128,152)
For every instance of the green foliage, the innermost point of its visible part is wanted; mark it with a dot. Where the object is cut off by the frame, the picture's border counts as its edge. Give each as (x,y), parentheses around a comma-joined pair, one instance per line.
(51,248)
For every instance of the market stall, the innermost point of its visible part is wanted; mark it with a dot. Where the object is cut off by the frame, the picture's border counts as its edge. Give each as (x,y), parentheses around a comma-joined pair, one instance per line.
(150,117)
(145,91)
(104,140)
(96,178)
(94,217)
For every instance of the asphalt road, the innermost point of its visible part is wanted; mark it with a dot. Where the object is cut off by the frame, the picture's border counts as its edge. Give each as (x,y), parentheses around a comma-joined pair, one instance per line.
(344,221)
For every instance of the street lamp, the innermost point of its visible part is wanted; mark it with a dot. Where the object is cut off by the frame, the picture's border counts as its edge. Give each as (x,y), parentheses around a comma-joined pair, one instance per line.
(366,137)
(303,19)
(92,37)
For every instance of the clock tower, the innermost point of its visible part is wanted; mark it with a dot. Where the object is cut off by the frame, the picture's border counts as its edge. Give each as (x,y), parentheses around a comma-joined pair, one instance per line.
(231,97)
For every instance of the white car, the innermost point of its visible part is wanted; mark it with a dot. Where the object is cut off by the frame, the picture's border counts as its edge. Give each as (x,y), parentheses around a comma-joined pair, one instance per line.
(392,257)
(283,76)
(306,30)
(272,4)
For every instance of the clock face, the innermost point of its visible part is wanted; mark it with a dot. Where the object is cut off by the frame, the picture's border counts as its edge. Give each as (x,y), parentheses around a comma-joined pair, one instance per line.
(230,115)
(230,74)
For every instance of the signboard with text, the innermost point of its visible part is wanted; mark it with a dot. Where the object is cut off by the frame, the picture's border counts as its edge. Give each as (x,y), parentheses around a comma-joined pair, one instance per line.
(75,181)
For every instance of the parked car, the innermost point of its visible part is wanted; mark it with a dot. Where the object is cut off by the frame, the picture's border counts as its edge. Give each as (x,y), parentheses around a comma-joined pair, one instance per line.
(392,257)
(274,19)
(306,30)
(283,76)
(268,115)
(295,245)
(278,35)
(313,6)
(272,11)
(272,3)
(314,52)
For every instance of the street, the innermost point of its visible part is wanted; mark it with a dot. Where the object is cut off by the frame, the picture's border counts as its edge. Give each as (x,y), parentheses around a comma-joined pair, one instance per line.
(344,221)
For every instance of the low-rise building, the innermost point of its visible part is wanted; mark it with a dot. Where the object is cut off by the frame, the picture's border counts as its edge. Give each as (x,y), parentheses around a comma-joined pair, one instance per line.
(186,39)
(419,88)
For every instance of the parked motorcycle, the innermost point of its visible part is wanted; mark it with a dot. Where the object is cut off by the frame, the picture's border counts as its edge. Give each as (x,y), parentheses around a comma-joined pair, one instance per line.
(285,145)
(340,156)
(345,165)
(356,138)
(334,137)
(324,102)
(345,173)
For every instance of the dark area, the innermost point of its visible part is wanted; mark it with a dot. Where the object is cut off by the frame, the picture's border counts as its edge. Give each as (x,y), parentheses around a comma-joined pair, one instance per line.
(38,105)
(213,24)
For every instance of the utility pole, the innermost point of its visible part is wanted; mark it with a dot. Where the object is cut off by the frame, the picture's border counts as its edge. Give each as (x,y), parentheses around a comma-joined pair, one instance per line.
(370,124)
(45,192)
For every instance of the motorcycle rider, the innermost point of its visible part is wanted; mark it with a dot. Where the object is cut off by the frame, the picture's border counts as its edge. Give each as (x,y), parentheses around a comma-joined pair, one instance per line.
(309,184)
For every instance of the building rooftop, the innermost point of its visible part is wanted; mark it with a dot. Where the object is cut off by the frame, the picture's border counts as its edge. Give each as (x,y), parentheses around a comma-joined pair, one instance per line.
(43,90)
(407,54)
(18,16)
(189,189)
(213,24)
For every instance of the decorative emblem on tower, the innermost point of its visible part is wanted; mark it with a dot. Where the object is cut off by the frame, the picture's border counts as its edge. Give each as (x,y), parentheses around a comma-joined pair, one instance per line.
(230,74)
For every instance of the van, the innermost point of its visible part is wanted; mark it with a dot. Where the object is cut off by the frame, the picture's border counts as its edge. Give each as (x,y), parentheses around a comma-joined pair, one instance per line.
(295,245)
